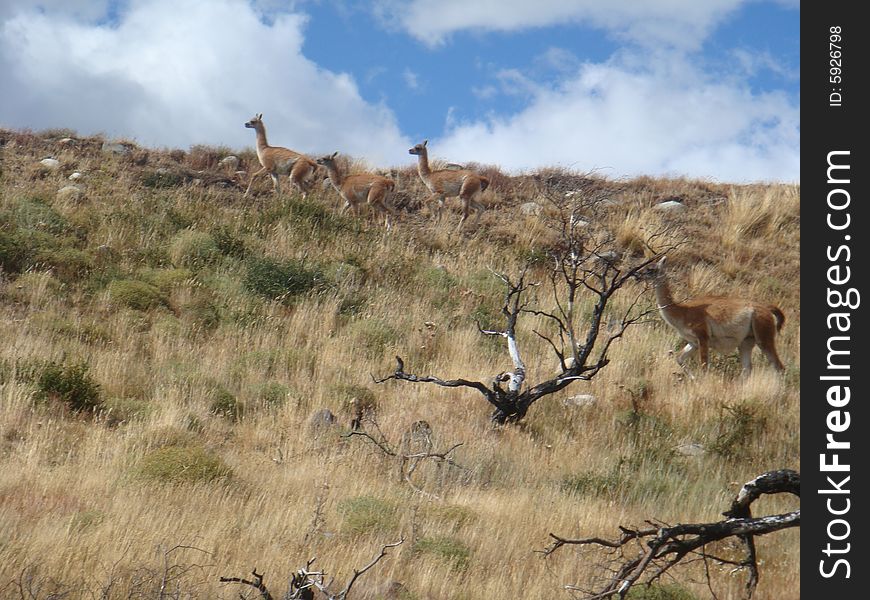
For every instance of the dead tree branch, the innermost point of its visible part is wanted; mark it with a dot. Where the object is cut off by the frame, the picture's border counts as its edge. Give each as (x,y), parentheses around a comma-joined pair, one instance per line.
(664,547)
(409,460)
(305,581)
(584,264)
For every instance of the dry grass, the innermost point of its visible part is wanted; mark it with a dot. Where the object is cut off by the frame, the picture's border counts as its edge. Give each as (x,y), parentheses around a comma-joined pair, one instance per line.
(77,514)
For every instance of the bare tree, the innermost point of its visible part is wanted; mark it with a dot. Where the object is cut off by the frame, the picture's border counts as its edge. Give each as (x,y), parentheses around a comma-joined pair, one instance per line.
(584,261)
(304,582)
(645,555)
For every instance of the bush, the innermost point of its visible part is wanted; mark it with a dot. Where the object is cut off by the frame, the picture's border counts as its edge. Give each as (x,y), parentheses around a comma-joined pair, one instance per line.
(356,398)
(12,252)
(135,294)
(280,281)
(228,243)
(71,385)
(35,214)
(162,178)
(274,394)
(364,514)
(660,592)
(182,464)
(374,335)
(226,405)
(192,249)
(446,549)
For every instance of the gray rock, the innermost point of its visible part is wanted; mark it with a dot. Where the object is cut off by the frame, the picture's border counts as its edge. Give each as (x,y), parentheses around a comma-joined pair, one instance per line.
(321,419)
(690,449)
(670,206)
(580,400)
(75,176)
(118,148)
(50,164)
(230,162)
(532,209)
(71,192)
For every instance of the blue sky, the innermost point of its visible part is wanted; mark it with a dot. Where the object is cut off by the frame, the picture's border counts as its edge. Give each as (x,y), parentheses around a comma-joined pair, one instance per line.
(624,87)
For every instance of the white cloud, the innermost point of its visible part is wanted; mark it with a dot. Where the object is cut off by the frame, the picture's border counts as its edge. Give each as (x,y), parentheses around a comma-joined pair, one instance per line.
(412,80)
(677,23)
(182,72)
(667,118)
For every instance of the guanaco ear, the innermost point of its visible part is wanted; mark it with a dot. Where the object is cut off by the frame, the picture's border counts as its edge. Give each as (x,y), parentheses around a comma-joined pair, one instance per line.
(260,117)
(425,142)
(334,154)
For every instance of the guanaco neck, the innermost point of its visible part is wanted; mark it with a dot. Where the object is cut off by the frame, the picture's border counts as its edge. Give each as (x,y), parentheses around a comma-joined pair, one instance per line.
(423,165)
(334,176)
(664,298)
(262,144)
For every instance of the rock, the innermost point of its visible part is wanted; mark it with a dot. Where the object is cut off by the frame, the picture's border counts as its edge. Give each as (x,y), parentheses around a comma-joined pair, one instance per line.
(118,148)
(532,209)
(230,162)
(50,164)
(580,400)
(75,176)
(67,141)
(71,192)
(321,419)
(690,449)
(670,206)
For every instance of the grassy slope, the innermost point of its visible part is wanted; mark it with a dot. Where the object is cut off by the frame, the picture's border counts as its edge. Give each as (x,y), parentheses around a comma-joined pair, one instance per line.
(152,281)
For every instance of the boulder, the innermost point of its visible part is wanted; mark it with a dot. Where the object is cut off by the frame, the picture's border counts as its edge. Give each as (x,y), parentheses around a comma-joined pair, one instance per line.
(50,164)
(580,400)
(231,162)
(532,209)
(71,192)
(117,148)
(670,206)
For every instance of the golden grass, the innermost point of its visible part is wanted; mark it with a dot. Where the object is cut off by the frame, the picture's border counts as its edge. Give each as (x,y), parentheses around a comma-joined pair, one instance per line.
(74,514)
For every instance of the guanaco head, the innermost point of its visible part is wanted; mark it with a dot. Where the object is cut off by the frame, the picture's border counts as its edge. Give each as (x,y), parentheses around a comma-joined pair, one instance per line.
(253,123)
(652,272)
(327,160)
(419,148)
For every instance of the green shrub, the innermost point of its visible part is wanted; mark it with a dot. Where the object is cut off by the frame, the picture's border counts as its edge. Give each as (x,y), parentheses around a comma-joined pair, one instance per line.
(374,336)
(350,395)
(12,252)
(68,264)
(37,215)
(182,464)
(71,385)
(225,404)
(274,394)
(738,427)
(192,249)
(228,243)
(657,591)
(162,178)
(166,279)
(280,281)
(364,514)
(446,549)
(120,410)
(135,294)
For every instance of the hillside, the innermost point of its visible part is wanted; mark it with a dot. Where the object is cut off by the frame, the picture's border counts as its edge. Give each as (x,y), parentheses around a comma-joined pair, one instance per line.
(166,342)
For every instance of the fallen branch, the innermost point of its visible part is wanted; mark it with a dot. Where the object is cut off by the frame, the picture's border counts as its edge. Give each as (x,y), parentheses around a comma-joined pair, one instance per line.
(666,546)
